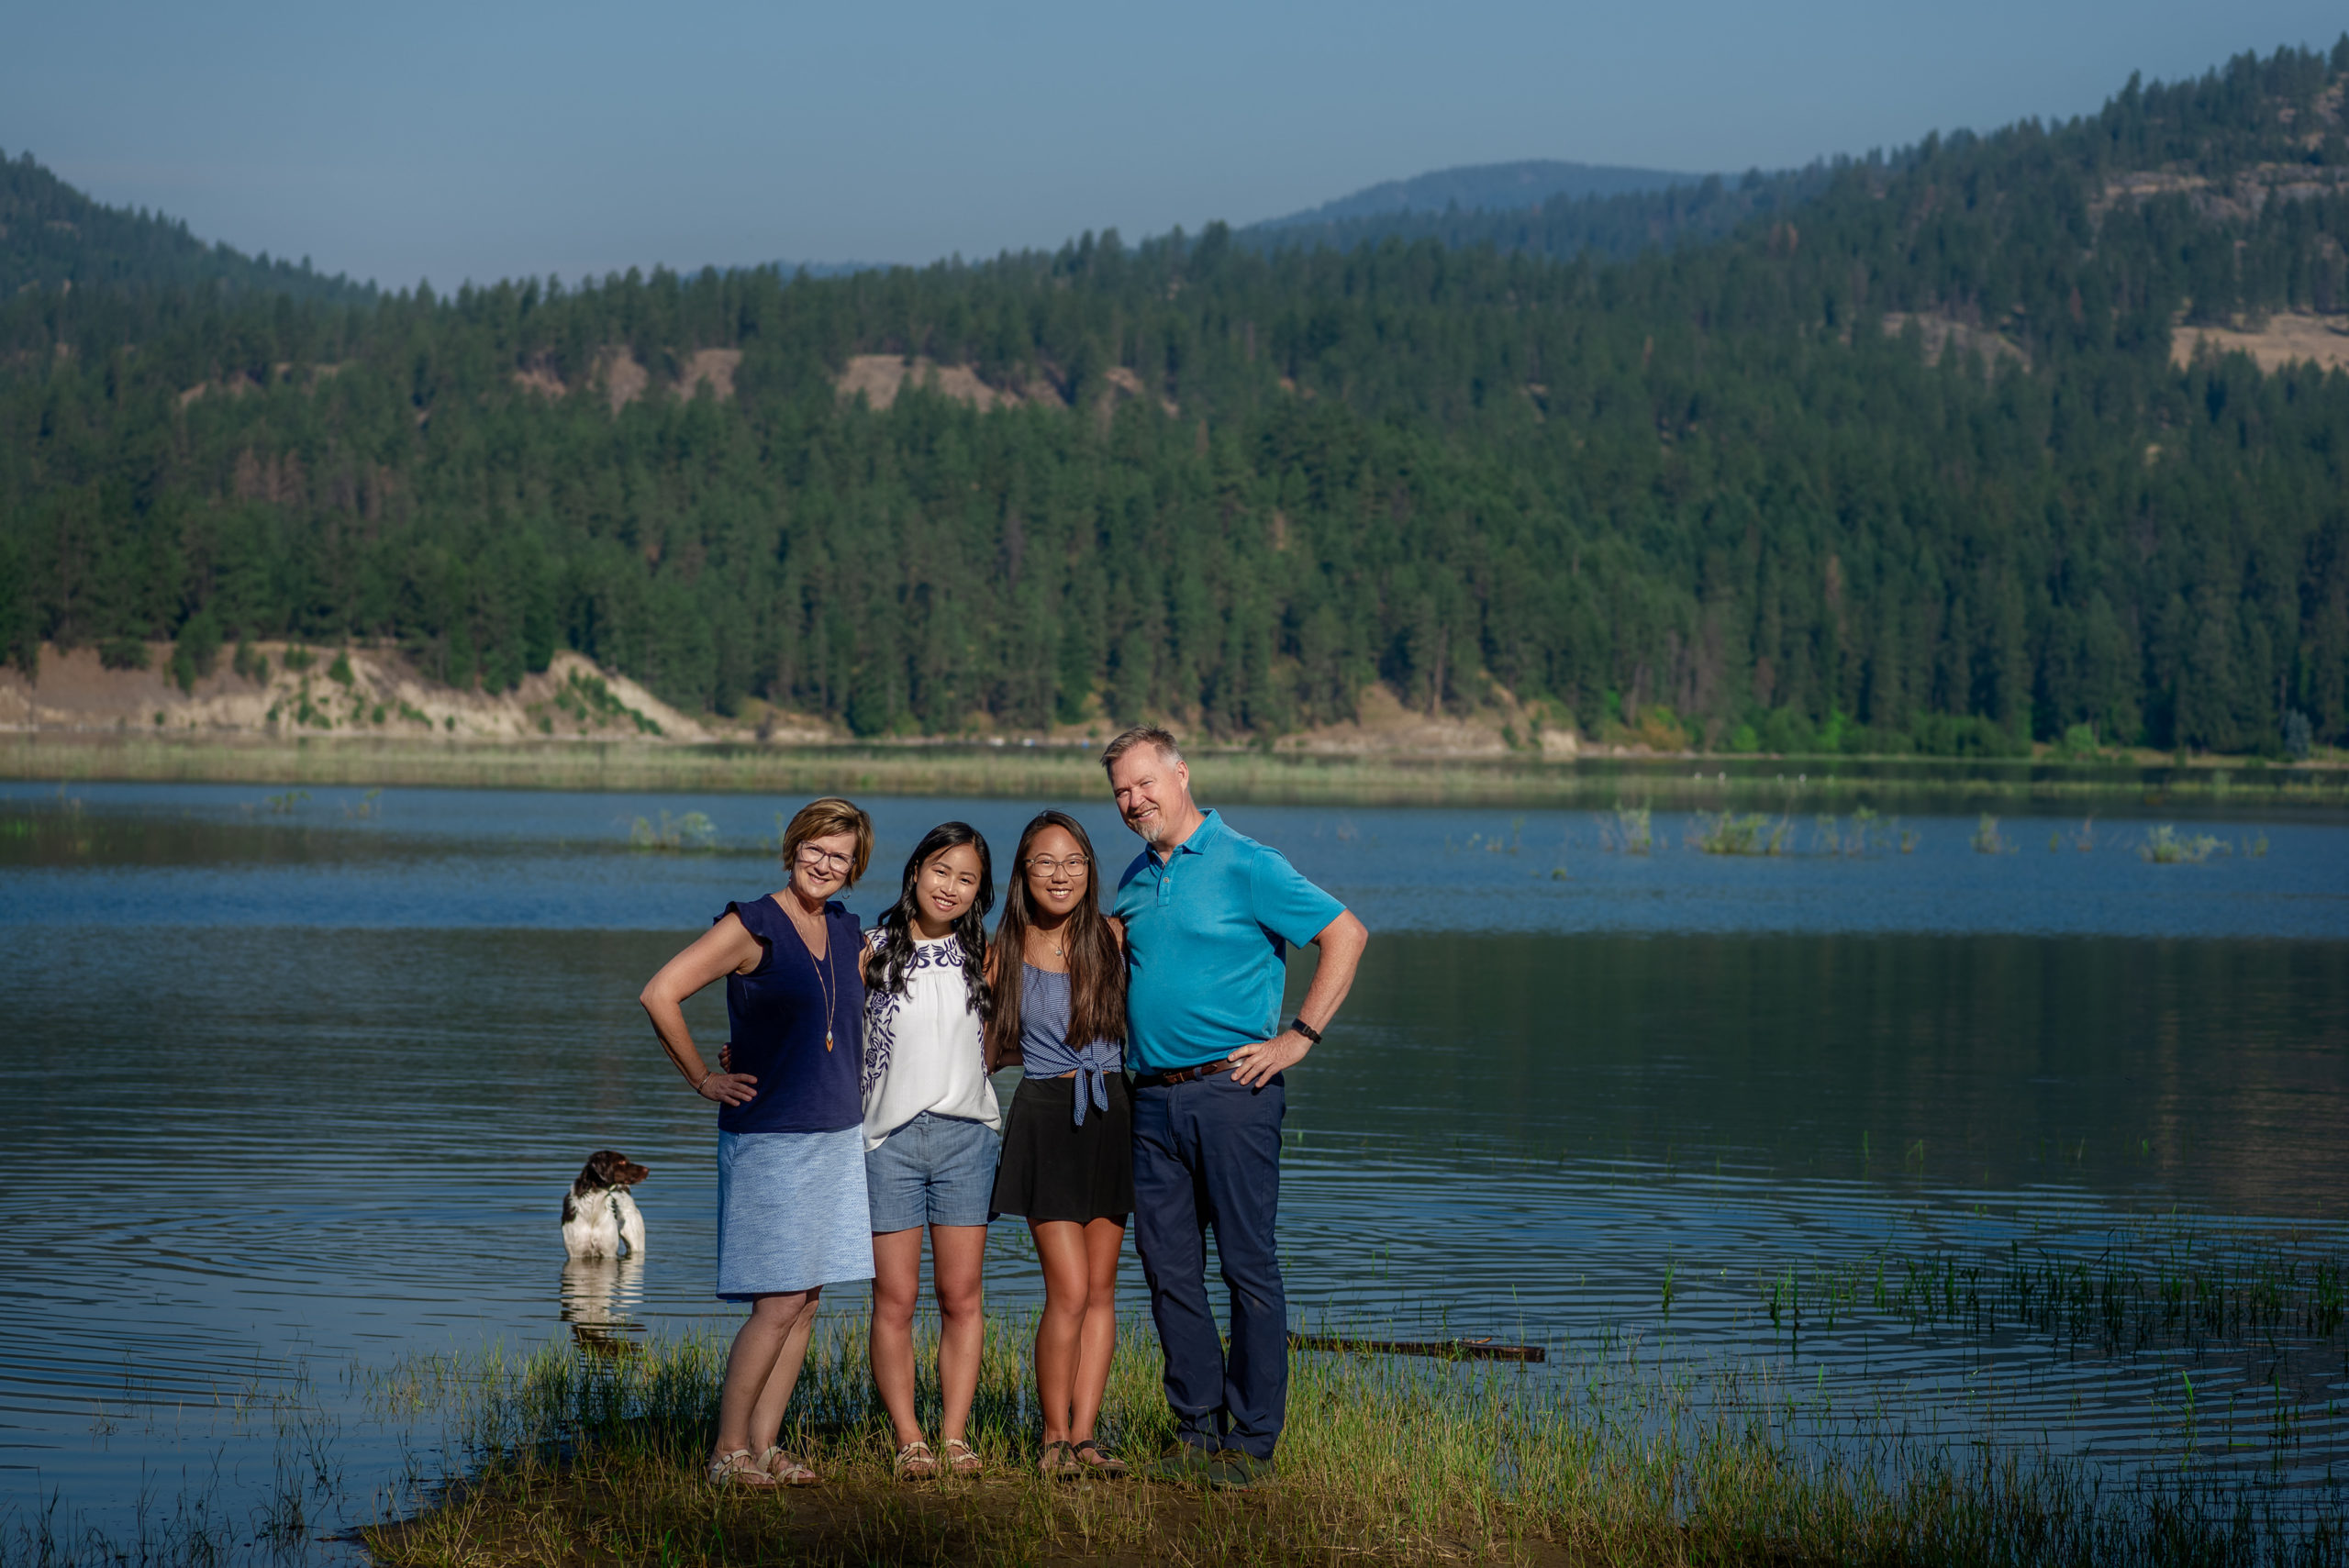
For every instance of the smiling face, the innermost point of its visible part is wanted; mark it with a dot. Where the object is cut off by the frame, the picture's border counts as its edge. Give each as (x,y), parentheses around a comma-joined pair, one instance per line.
(945,887)
(821,867)
(1058,877)
(1153,794)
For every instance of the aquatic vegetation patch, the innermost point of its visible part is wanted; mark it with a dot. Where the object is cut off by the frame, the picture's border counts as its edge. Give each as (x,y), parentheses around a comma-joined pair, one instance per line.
(1725,833)
(694,830)
(1867,833)
(2166,845)
(2150,1287)
(1627,829)
(1988,840)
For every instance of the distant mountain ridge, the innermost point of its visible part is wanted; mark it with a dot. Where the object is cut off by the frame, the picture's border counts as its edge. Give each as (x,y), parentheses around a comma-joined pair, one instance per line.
(1486,187)
(52,234)
(1564,225)
(831,268)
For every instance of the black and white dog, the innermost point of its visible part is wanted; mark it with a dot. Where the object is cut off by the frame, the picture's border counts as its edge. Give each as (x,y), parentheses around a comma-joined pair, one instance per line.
(600,1219)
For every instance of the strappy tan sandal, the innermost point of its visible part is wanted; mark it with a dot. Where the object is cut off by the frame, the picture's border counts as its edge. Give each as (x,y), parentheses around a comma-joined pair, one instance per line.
(1058,1462)
(1098,1461)
(915,1463)
(783,1470)
(739,1468)
(961,1459)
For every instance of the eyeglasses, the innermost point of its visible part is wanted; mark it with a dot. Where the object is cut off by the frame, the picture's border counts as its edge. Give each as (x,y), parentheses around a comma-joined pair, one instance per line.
(1073,865)
(814,859)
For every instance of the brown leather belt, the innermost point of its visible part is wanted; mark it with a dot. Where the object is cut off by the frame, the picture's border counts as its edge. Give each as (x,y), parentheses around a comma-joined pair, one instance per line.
(1181,1074)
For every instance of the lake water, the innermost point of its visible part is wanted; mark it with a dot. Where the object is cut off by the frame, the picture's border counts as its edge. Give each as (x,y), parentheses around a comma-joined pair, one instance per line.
(291,1088)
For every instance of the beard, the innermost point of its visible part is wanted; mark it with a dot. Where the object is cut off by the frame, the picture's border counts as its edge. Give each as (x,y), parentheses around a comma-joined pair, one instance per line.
(1153,829)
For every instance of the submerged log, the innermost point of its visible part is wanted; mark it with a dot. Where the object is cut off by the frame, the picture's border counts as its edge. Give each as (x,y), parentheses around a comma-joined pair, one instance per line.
(1484,1349)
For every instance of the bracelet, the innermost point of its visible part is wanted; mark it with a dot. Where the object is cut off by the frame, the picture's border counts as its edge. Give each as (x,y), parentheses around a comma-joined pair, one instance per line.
(1312,1036)
(703,1079)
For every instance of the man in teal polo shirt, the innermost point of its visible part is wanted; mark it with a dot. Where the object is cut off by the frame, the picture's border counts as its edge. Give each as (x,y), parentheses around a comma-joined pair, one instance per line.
(1209,917)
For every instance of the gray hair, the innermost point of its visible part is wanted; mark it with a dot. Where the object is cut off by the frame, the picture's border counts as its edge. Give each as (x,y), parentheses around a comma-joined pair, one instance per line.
(1141,734)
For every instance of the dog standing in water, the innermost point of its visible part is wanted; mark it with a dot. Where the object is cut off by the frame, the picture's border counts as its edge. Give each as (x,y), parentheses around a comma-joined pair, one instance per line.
(600,1219)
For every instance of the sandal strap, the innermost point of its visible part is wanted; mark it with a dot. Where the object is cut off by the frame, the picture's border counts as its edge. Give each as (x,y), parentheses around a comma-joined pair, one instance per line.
(736,1467)
(794,1474)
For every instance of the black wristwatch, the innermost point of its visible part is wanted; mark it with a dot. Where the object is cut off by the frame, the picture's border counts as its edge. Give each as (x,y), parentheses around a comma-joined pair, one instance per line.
(1312,1036)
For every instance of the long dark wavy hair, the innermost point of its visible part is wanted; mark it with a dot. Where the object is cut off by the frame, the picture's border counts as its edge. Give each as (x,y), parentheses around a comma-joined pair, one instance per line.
(885,961)
(1097,969)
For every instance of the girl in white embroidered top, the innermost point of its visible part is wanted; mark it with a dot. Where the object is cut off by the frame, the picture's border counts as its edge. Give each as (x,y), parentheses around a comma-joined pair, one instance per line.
(931,1133)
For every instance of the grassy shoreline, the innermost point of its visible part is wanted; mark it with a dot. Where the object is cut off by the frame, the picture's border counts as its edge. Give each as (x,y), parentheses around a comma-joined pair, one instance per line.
(1061,772)
(590,1460)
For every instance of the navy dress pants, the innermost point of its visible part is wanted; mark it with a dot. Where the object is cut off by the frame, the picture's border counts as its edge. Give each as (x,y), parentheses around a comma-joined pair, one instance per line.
(1208,1153)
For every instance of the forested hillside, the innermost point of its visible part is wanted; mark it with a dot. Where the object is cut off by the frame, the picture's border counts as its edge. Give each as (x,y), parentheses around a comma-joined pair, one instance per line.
(1910,468)
(52,236)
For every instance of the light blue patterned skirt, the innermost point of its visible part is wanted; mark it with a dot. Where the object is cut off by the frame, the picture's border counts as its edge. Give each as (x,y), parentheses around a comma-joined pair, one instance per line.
(792,1213)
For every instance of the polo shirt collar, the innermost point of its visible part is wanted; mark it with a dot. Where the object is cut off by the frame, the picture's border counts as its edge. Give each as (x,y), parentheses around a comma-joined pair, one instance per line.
(1209,825)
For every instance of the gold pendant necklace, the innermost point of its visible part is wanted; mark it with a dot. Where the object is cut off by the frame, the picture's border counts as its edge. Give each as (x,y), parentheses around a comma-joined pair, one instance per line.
(823,976)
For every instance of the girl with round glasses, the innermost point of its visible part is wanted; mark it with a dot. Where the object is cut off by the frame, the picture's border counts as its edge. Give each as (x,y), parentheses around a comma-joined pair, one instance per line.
(1059,1008)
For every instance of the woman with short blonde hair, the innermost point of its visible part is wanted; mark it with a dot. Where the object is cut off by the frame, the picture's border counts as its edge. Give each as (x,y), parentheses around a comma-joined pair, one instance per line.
(791,1200)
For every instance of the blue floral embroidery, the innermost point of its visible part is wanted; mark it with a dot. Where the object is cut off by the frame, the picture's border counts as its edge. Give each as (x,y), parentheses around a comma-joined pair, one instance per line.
(881,1007)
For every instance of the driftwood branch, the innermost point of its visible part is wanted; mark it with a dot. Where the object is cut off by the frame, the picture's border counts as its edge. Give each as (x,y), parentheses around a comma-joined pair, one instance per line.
(1442,1349)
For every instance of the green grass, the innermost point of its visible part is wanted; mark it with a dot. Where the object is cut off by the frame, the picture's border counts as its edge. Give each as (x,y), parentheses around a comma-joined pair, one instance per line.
(1616,1458)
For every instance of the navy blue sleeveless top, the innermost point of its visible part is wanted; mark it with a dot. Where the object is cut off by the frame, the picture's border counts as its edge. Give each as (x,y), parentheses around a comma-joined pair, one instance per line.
(777,1014)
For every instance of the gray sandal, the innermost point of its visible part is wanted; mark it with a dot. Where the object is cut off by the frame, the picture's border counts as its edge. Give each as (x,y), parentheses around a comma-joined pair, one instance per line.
(1095,1460)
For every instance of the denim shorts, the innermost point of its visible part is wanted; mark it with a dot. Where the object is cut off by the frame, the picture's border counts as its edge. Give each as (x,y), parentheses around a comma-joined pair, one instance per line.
(935,1170)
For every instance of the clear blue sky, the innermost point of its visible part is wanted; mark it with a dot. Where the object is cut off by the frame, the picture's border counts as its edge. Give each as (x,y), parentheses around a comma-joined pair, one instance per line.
(485,139)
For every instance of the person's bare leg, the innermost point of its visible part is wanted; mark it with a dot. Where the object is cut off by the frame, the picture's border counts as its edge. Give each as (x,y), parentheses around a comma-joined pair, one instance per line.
(896,1287)
(759,1347)
(1060,1248)
(775,1397)
(1098,1342)
(957,1262)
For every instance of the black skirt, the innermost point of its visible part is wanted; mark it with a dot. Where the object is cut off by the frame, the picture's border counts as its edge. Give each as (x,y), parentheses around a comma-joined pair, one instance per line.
(1053,1169)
